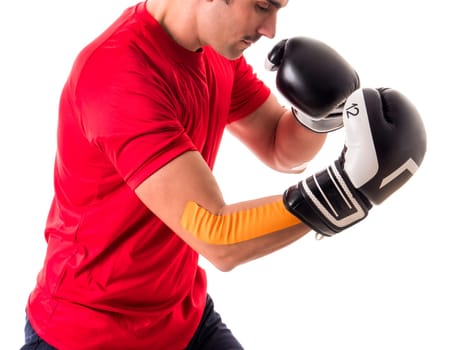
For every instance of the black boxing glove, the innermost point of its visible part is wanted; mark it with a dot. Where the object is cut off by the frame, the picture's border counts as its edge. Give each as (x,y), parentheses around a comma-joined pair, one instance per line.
(385,144)
(315,79)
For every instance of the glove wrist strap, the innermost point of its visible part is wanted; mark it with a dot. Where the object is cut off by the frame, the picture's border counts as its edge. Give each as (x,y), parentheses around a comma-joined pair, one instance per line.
(333,121)
(326,201)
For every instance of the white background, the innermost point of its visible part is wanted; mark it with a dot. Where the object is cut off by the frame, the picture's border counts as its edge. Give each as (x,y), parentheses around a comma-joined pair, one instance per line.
(394,281)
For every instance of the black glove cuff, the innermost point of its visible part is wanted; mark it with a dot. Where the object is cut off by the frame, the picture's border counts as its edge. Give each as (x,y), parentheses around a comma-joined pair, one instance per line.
(327,201)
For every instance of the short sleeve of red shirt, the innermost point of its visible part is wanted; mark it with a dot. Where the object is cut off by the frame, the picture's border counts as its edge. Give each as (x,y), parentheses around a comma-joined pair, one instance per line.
(130,118)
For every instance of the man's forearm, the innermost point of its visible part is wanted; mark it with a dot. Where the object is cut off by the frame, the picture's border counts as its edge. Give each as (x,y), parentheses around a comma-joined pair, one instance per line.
(295,145)
(233,255)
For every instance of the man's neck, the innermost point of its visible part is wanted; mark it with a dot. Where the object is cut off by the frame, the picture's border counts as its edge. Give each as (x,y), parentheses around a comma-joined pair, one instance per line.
(178,18)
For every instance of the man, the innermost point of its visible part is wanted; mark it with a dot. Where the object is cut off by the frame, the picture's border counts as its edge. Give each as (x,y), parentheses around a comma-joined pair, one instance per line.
(140,122)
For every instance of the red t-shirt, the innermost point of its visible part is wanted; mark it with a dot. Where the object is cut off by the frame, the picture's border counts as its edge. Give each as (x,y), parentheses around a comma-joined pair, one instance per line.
(114,276)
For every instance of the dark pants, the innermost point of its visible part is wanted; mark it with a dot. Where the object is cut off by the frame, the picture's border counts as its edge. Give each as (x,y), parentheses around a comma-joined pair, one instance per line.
(212,334)
(32,340)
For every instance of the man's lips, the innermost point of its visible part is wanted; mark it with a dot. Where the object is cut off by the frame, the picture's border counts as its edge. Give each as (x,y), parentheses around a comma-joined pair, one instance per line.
(247,42)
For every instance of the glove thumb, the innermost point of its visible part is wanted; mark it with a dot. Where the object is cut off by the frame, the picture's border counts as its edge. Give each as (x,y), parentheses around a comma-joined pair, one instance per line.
(274,57)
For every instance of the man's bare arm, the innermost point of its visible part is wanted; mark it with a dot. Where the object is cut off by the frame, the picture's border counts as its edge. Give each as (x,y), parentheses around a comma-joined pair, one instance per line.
(275,136)
(188,179)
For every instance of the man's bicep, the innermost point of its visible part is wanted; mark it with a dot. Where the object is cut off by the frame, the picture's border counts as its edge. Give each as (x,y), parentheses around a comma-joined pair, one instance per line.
(184,179)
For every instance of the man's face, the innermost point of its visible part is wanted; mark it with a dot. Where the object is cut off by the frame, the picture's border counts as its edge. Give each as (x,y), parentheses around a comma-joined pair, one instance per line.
(231,26)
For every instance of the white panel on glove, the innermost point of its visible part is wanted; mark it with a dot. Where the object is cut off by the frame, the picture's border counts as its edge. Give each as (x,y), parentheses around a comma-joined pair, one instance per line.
(359,141)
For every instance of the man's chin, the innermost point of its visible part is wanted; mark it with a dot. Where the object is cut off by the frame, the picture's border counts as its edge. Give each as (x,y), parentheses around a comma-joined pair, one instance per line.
(233,54)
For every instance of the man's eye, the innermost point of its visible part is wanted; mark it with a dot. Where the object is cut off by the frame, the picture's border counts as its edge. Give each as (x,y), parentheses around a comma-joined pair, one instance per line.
(263,7)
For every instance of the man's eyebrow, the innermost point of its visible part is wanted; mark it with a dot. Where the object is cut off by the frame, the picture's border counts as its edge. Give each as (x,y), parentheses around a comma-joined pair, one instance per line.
(275,4)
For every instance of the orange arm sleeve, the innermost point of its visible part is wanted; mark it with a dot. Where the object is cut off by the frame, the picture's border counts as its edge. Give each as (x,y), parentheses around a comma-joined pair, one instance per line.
(236,227)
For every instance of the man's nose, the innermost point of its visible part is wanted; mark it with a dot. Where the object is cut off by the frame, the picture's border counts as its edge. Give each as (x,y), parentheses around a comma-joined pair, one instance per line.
(268,27)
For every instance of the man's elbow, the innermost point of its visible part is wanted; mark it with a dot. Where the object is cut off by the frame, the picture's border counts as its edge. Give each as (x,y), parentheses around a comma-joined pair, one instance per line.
(223,257)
